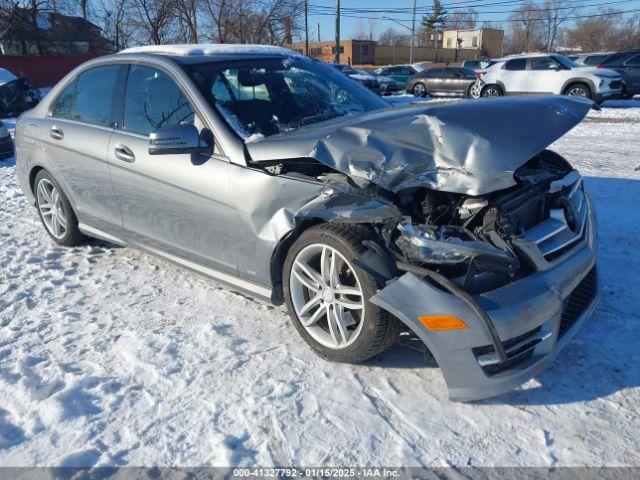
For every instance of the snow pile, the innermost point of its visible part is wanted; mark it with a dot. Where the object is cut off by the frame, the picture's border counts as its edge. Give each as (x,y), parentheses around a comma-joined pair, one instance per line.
(111,357)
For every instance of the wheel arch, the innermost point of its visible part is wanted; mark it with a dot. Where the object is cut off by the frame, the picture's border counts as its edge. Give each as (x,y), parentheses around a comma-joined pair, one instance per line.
(573,81)
(280,252)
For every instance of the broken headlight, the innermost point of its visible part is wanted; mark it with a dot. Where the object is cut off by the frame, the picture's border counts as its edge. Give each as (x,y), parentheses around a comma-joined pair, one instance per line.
(450,245)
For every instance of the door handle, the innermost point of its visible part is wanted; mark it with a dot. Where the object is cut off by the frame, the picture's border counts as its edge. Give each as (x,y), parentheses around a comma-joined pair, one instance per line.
(56,133)
(124,153)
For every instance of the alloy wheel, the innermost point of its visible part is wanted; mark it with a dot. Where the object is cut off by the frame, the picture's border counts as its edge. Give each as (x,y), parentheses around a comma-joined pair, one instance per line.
(51,208)
(491,92)
(419,90)
(327,296)
(577,92)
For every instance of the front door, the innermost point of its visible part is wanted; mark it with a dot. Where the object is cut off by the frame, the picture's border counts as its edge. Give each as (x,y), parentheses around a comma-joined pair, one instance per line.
(176,203)
(544,72)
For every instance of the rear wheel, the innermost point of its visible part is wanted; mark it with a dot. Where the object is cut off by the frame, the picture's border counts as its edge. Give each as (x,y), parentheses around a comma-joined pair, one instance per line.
(55,211)
(578,90)
(492,91)
(419,90)
(327,295)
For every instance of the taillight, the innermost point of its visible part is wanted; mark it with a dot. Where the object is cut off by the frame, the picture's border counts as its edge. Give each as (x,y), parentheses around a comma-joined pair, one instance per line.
(481,74)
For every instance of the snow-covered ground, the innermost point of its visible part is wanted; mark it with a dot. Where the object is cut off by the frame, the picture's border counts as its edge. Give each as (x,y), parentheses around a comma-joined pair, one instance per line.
(112,357)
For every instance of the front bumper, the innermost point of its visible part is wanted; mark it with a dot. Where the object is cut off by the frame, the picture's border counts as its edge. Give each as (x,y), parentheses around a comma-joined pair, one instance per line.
(535,317)
(600,97)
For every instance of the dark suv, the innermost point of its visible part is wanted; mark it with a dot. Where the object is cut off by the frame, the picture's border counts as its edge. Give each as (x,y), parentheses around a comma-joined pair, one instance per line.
(627,64)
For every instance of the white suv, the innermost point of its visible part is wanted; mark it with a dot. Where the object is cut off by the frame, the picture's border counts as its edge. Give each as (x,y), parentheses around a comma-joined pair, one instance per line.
(548,74)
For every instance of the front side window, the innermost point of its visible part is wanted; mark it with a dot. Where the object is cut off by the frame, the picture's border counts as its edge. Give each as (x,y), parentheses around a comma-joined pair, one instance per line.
(265,96)
(153,100)
(88,98)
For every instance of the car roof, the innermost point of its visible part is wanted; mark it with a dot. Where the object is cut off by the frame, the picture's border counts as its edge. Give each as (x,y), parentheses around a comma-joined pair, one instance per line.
(525,55)
(204,53)
(210,49)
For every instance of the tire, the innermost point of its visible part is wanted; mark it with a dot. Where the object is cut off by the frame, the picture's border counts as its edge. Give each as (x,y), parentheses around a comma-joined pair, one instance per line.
(369,330)
(578,89)
(419,90)
(492,91)
(58,218)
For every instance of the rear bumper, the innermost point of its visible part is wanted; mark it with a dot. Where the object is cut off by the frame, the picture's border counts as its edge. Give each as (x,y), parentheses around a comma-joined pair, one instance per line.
(535,317)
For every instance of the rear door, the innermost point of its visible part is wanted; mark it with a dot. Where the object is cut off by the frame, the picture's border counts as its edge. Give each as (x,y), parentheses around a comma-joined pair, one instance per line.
(75,136)
(455,81)
(514,76)
(176,204)
(434,80)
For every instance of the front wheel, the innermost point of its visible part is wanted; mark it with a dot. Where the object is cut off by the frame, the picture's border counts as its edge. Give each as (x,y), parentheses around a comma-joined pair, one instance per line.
(578,90)
(327,295)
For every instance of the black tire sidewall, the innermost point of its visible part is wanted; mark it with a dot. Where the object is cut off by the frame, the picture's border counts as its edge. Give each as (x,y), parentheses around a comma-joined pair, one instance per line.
(358,350)
(424,93)
(72,236)
(497,87)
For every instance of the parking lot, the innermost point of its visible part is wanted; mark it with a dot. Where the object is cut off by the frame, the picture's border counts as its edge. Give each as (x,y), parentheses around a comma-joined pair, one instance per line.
(111,357)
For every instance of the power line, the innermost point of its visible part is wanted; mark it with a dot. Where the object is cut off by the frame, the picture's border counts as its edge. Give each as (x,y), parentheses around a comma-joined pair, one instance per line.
(426,10)
(511,20)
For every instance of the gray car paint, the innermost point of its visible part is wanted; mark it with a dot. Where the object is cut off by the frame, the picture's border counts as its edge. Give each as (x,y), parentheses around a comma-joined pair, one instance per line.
(450,147)
(226,218)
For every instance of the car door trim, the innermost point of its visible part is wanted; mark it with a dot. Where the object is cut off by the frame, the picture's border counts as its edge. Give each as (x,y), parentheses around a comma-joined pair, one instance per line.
(223,277)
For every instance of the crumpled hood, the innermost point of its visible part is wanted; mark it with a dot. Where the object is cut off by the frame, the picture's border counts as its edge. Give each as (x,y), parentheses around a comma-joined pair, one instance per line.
(470,147)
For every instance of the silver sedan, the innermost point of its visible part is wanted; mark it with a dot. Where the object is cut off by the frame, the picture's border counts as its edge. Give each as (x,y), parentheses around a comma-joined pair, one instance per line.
(283,178)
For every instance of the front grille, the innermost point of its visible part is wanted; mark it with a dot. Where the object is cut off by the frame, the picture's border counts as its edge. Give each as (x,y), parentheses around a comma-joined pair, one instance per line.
(615,84)
(578,301)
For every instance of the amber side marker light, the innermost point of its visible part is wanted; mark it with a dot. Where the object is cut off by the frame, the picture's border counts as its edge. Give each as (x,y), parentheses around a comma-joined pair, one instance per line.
(442,322)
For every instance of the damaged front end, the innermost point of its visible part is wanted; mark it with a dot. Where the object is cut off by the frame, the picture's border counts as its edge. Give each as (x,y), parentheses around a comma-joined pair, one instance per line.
(477,222)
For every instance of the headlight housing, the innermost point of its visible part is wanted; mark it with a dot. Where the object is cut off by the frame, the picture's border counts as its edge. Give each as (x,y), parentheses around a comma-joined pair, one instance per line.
(450,245)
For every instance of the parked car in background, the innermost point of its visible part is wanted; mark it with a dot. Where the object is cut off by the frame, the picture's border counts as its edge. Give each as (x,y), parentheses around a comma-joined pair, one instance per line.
(548,74)
(445,81)
(590,59)
(388,85)
(17,96)
(400,73)
(6,144)
(366,79)
(452,221)
(627,64)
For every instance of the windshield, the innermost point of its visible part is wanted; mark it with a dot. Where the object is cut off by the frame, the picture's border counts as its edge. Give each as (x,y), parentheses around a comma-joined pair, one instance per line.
(264,96)
(565,62)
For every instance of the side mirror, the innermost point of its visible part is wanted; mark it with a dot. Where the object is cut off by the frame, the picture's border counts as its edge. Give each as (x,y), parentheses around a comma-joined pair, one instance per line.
(176,139)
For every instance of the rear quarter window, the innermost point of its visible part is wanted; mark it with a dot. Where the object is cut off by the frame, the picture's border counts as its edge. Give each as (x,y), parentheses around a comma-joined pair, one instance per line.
(516,64)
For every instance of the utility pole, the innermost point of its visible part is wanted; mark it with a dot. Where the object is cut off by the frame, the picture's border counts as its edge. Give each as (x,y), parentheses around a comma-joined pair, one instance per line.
(337,59)
(318,31)
(413,34)
(306,27)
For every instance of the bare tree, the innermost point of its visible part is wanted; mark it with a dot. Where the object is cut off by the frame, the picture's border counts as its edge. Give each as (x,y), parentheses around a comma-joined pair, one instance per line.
(554,14)
(155,18)
(526,33)
(460,20)
(392,38)
(188,11)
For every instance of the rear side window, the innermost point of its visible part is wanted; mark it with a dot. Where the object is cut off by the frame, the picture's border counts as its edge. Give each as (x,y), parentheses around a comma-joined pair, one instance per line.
(153,100)
(450,73)
(64,102)
(434,73)
(94,94)
(516,64)
(89,98)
